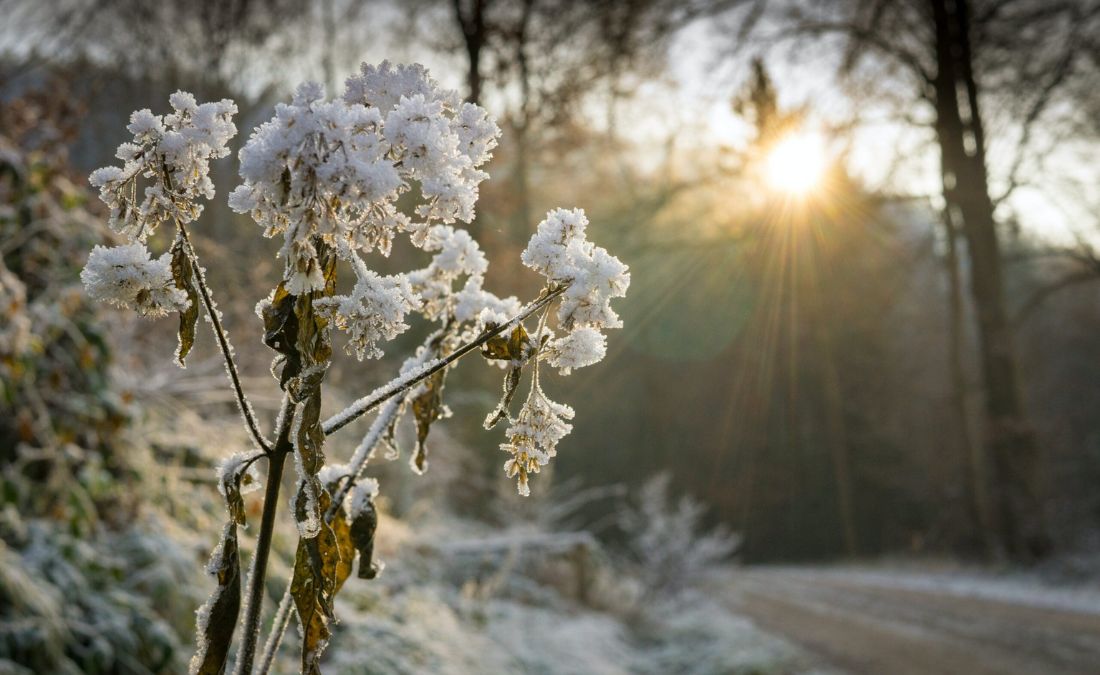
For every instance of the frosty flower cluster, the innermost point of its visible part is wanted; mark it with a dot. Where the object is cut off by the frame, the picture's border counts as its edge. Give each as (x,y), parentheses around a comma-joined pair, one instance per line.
(533,437)
(172,154)
(458,256)
(127,277)
(330,171)
(374,311)
(587,277)
(560,251)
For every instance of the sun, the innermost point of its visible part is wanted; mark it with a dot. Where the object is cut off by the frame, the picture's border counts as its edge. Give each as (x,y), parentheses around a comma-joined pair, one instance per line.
(796,163)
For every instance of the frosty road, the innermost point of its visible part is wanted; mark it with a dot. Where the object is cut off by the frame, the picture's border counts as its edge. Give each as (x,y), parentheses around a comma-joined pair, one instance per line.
(880,623)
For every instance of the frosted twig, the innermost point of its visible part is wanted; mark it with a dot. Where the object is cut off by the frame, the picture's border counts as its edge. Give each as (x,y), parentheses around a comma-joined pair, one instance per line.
(223,343)
(376,397)
(278,629)
(358,461)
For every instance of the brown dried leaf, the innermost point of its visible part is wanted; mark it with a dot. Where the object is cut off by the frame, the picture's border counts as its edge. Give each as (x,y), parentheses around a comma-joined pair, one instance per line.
(321,565)
(362,530)
(516,347)
(183,274)
(427,408)
(218,617)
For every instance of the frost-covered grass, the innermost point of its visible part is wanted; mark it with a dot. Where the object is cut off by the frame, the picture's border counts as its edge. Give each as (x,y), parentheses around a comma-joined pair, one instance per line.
(118,602)
(482,600)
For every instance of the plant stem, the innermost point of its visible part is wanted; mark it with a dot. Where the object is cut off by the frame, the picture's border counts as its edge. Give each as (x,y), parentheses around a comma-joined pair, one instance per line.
(255,594)
(278,629)
(223,343)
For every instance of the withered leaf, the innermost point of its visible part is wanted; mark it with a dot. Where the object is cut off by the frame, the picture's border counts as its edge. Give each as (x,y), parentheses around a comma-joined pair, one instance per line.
(427,408)
(321,565)
(515,347)
(218,616)
(511,384)
(363,527)
(230,487)
(281,331)
(183,274)
(310,435)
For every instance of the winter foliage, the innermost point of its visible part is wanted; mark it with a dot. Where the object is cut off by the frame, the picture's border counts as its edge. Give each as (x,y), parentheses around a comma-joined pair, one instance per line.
(338,179)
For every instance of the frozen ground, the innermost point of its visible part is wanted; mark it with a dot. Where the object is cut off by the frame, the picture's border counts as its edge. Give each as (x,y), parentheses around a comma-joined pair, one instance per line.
(903,622)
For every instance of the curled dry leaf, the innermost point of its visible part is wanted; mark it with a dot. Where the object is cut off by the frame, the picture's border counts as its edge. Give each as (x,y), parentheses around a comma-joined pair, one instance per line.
(183,274)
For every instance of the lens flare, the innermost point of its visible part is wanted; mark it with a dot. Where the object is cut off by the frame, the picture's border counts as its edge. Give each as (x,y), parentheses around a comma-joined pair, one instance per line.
(796,163)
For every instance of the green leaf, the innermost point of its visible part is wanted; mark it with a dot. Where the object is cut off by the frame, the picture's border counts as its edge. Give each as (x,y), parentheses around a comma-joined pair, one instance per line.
(183,274)
(218,616)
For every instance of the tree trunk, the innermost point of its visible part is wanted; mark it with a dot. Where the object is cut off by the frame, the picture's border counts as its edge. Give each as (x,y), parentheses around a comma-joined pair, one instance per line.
(975,478)
(472,23)
(1010,442)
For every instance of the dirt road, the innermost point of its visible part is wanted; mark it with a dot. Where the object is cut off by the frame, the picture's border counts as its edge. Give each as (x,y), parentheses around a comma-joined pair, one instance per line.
(860,626)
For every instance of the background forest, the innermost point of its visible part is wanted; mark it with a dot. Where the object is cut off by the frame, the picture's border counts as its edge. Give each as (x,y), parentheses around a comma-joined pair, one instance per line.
(887,348)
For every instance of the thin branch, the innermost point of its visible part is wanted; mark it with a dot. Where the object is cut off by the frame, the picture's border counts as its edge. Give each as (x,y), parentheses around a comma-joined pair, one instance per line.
(278,630)
(401,384)
(1059,75)
(869,38)
(223,343)
(1038,297)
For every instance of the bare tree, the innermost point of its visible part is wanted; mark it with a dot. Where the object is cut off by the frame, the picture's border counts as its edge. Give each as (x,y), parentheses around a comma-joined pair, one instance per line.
(960,57)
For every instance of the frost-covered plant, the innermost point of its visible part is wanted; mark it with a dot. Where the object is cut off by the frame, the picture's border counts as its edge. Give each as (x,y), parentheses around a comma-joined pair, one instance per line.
(337,179)
(669,543)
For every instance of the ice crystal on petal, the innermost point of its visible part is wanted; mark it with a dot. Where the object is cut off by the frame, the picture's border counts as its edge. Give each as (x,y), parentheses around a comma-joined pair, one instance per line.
(332,170)
(560,251)
(533,436)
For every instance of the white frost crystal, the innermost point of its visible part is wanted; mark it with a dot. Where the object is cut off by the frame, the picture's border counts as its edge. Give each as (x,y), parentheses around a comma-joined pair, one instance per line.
(533,437)
(127,277)
(374,311)
(582,347)
(331,171)
(560,251)
(173,154)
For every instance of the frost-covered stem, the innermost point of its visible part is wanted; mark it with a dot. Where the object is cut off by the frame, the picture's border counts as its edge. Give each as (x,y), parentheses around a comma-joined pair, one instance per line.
(223,343)
(255,594)
(401,384)
(278,629)
(358,462)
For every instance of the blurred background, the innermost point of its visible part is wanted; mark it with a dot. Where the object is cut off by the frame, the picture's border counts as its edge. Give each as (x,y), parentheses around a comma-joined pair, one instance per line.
(861,345)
